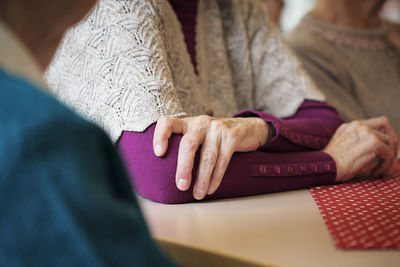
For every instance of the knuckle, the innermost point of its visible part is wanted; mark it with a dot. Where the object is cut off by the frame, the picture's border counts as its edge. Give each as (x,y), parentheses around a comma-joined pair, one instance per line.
(189,143)
(165,121)
(164,118)
(384,119)
(373,139)
(219,125)
(355,122)
(216,123)
(366,130)
(359,126)
(203,118)
(222,163)
(209,157)
(201,124)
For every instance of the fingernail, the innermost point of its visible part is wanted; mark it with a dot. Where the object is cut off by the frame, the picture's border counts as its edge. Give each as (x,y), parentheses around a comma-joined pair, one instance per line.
(199,194)
(211,190)
(158,150)
(182,184)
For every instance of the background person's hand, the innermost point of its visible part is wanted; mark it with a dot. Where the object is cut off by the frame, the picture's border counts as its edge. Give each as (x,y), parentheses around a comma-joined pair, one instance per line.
(366,147)
(219,139)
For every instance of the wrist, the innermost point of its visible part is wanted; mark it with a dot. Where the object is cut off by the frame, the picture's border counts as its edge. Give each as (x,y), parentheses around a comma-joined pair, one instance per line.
(266,134)
(271,132)
(339,174)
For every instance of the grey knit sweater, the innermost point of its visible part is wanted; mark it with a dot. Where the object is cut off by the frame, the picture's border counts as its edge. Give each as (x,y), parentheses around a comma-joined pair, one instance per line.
(358,70)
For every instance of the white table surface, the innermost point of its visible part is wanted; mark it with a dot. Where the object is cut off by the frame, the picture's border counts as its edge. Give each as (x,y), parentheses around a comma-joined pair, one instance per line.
(282,229)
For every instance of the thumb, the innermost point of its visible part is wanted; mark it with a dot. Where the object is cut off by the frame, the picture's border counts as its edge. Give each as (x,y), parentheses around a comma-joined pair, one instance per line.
(165,127)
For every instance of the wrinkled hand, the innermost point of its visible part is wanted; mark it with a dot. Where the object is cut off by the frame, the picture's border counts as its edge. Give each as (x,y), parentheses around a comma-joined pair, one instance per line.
(366,147)
(219,139)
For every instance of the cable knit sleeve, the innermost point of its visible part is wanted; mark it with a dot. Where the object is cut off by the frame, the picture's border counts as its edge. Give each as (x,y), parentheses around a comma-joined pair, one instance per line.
(276,67)
(298,165)
(279,82)
(113,68)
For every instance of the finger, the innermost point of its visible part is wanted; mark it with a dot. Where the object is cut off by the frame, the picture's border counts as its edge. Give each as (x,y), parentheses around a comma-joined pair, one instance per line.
(376,122)
(387,139)
(386,156)
(373,153)
(368,169)
(383,124)
(165,127)
(208,159)
(188,146)
(358,165)
(225,155)
(383,168)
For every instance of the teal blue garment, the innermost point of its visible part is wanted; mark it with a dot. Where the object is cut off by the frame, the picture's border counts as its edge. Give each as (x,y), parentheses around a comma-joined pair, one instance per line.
(65,199)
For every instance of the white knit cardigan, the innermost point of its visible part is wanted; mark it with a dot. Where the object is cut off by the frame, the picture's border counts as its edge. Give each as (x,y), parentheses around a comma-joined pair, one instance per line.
(126,64)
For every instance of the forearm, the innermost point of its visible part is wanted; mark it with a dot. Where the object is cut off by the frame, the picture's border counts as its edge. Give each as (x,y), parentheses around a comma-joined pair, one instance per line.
(248,173)
(310,128)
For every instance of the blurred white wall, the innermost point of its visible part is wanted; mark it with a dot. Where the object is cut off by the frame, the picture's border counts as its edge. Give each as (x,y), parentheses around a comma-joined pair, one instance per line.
(293,11)
(391,10)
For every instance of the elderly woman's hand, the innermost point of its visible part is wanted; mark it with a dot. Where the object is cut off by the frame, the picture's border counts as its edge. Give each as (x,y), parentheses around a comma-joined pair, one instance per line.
(363,147)
(219,139)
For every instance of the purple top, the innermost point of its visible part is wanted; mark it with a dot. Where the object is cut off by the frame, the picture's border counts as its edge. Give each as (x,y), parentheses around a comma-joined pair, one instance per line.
(298,165)
(186,11)
(290,161)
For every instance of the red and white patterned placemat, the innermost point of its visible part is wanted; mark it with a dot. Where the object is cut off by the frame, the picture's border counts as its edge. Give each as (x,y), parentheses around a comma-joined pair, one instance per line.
(362,215)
